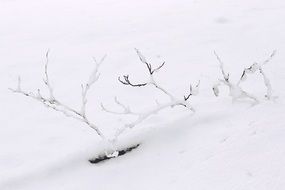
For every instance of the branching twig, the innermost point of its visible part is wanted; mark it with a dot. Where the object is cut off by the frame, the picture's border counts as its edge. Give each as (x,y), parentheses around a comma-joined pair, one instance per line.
(193,91)
(149,66)
(267,84)
(57,105)
(235,90)
(143,116)
(151,82)
(269,58)
(125,109)
(226,76)
(126,81)
(46,79)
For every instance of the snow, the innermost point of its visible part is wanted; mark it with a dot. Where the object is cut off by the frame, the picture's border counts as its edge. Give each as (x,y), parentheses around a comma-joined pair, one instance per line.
(224,145)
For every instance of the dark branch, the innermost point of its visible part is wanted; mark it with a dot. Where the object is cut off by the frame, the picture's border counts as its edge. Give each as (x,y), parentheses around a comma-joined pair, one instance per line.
(126,81)
(189,95)
(193,91)
(149,66)
(158,68)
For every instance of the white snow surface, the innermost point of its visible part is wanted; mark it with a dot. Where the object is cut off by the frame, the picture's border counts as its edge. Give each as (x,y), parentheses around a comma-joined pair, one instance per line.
(223,146)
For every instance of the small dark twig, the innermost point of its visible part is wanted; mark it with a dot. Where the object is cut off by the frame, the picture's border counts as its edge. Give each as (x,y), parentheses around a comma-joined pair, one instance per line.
(151,81)
(126,81)
(158,68)
(193,91)
(149,66)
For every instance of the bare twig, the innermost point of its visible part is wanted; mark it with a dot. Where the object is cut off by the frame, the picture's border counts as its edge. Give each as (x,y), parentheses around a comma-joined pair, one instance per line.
(145,115)
(226,76)
(235,90)
(149,66)
(126,81)
(151,82)
(269,58)
(57,105)
(193,91)
(267,84)
(46,79)
(125,109)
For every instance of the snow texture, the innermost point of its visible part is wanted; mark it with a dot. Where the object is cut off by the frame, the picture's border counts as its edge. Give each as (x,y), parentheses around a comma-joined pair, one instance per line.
(223,145)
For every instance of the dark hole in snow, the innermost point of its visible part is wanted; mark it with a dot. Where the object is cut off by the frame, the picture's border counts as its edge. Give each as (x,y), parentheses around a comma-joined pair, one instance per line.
(102,158)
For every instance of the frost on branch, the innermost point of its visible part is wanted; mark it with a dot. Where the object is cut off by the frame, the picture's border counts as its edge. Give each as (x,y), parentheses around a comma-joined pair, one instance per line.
(235,91)
(151,81)
(52,102)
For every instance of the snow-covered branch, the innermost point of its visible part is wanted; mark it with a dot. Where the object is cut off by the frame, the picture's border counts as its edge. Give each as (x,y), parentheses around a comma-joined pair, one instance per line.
(226,76)
(140,117)
(124,108)
(267,84)
(235,90)
(52,102)
(258,67)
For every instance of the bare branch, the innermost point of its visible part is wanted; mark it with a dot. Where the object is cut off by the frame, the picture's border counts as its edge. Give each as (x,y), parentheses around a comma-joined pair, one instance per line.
(143,116)
(143,60)
(46,79)
(255,67)
(267,84)
(84,90)
(92,79)
(235,90)
(226,76)
(158,68)
(101,61)
(57,105)
(215,88)
(269,58)
(245,94)
(252,69)
(126,81)
(149,66)
(125,109)
(193,91)
(151,80)
(173,102)
(154,83)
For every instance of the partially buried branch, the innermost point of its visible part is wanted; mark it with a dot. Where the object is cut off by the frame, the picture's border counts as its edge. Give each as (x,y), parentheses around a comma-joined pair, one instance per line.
(235,90)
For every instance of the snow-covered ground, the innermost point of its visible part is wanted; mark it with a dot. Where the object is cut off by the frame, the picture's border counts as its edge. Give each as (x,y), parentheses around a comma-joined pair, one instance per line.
(222,146)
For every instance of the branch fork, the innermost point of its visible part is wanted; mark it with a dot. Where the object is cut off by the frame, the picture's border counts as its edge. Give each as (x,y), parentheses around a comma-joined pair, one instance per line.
(140,117)
(52,102)
(236,92)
